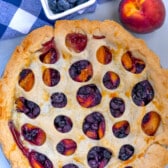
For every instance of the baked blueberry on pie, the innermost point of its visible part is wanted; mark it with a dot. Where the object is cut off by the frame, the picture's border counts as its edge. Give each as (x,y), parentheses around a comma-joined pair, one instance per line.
(84,94)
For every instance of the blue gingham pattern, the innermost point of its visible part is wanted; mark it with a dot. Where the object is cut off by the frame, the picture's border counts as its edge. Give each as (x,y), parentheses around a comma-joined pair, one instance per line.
(19,17)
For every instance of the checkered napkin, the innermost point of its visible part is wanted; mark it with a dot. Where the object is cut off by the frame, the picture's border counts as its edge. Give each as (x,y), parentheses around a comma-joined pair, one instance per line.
(19,17)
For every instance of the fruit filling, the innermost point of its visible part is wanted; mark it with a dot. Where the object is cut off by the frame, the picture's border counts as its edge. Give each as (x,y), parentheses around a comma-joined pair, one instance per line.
(58,6)
(76,42)
(104,55)
(63,123)
(117,107)
(142,93)
(49,53)
(126,151)
(150,123)
(111,80)
(58,100)
(51,77)
(132,64)
(16,137)
(94,125)
(29,108)
(33,134)
(66,147)
(89,96)
(98,37)
(36,159)
(121,129)
(81,71)
(26,79)
(98,157)
(70,165)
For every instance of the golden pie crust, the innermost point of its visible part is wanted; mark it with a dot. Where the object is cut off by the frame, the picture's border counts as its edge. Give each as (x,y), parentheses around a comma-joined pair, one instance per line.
(150,151)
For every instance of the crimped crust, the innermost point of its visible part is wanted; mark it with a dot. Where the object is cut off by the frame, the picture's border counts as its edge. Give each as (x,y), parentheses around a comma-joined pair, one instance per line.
(150,151)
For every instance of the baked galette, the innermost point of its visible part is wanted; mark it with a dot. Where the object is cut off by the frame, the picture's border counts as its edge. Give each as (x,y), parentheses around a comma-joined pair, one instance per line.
(84,94)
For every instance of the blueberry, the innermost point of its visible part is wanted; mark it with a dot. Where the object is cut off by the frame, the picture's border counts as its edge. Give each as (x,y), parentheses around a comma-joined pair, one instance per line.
(94,125)
(72,1)
(81,71)
(126,151)
(89,96)
(63,123)
(58,100)
(53,6)
(39,159)
(81,2)
(142,93)
(63,5)
(117,107)
(98,157)
(70,165)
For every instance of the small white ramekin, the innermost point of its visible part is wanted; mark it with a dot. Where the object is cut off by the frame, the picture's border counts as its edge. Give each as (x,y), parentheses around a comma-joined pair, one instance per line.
(50,15)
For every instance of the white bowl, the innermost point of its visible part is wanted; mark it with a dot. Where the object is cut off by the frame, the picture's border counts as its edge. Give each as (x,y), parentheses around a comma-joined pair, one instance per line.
(50,15)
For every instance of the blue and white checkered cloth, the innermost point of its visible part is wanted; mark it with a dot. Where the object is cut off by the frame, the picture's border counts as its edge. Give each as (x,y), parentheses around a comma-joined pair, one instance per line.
(19,17)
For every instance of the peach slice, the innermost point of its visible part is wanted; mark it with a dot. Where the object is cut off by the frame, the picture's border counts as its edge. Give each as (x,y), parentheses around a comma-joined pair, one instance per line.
(51,77)
(29,108)
(49,53)
(104,55)
(26,79)
(36,159)
(132,64)
(33,134)
(150,123)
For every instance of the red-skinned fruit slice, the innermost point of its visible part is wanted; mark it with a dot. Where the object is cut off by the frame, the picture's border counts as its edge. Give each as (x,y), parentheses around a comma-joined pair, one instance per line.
(76,42)
(132,64)
(49,53)
(39,160)
(150,123)
(36,159)
(16,137)
(26,79)
(66,147)
(99,37)
(33,134)
(104,55)
(29,108)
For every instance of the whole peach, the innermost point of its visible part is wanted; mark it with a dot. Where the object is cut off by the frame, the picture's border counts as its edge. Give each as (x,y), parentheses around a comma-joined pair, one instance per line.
(142,16)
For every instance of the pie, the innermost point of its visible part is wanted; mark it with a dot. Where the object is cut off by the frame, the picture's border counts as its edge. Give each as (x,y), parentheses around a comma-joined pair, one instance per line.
(84,94)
